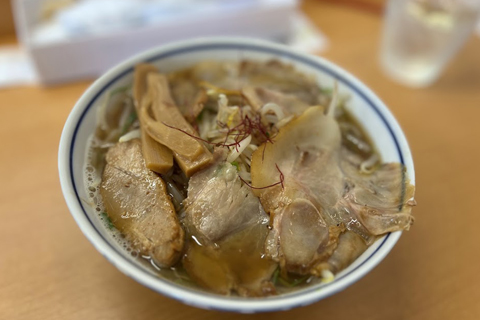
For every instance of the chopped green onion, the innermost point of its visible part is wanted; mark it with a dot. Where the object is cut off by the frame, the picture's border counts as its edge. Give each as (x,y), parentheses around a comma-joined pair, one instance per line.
(293,283)
(107,219)
(131,118)
(200,116)
(326,90)
(275,276)
(118,90)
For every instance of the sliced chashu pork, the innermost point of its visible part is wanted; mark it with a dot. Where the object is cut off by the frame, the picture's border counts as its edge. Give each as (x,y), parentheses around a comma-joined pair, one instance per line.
(228,228)
(258,97)
(138,205)
(280,77)
(271,75)
(323,195)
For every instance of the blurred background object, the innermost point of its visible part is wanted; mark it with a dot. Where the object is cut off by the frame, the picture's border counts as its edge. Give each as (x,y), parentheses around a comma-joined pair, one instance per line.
(421,36)
(77,39)
(6,18)
(66,40)
(373,6)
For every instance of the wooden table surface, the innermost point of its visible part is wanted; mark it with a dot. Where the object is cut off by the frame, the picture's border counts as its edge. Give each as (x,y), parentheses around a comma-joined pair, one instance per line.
(48,269)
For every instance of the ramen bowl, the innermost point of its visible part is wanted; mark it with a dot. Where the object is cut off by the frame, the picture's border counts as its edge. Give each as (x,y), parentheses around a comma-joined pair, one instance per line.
(363,104)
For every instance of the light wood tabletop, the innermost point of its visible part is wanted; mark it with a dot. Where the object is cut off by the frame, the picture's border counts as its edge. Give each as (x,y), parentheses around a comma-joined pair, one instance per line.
(49,270)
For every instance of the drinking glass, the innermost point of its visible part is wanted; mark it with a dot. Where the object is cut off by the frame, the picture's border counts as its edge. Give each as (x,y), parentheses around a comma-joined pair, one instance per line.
(421,36)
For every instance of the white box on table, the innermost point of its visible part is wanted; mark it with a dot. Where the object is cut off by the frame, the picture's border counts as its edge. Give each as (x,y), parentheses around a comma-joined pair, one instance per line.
(88,56)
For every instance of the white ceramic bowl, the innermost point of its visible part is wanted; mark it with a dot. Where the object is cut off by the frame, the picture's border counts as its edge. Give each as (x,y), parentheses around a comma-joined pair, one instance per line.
(364,104)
